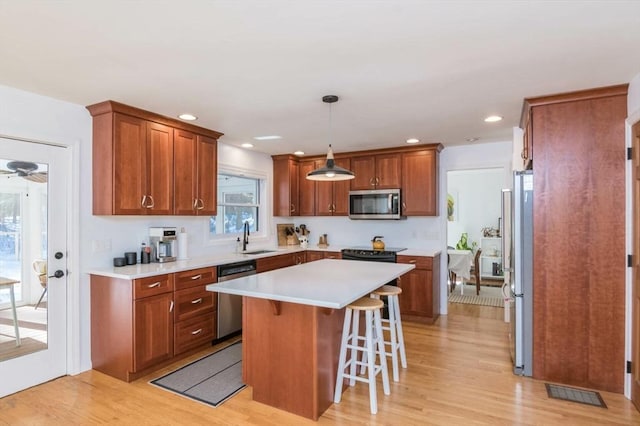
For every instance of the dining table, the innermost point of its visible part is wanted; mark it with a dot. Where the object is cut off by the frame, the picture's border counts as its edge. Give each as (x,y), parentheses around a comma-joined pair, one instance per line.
(9,283)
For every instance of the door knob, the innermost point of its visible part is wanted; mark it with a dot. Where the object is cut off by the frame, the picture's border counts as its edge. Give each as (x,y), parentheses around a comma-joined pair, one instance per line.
(57,274)
(58,255)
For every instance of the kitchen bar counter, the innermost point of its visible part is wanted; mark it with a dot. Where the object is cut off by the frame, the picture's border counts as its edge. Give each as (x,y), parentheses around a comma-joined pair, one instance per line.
(292,326)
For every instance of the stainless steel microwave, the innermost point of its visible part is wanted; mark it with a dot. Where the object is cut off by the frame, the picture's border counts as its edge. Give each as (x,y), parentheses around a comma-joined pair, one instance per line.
(375,204)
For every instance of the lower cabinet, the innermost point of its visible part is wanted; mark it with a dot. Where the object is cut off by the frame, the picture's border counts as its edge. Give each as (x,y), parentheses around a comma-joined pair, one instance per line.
(312,255)
(142,324)
(420,297)
(270,263)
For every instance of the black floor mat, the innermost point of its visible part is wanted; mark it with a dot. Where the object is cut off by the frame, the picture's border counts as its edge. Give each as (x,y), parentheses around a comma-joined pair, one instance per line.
(575,395)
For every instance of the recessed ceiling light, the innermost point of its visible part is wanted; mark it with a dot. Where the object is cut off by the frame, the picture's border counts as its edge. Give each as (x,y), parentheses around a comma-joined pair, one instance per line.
(493,118)
(298,153)
(247,145)
(471,139)
(187,117)
(267,138)
(413,140)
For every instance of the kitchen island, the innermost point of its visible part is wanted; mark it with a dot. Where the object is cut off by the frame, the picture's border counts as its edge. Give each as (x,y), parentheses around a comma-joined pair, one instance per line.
(292,325)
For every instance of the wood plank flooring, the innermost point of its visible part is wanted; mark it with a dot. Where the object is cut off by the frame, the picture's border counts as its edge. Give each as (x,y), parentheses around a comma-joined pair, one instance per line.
(459,373)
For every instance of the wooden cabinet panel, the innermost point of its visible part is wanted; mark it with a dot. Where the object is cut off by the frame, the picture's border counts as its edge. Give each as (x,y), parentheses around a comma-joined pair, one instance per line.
(420,297)
(159,169)
(312,255)
(579,238)
(307,189)
(194,332)
(153,330)
(191,302)
(130,166)
(332,198)
(382,171)
(285,186)
(420,183)
(195,277)
(207,161)
(196,174)
(150,286)
(270,263)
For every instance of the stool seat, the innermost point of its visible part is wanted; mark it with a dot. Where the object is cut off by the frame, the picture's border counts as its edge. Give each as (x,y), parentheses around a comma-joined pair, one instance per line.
(388,290)
(366,304)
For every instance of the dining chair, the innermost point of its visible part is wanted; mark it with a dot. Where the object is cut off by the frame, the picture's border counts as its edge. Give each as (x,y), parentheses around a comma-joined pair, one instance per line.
(475,270)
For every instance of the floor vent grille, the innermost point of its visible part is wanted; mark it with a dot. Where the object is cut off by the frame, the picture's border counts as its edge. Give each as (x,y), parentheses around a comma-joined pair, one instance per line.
(575,395)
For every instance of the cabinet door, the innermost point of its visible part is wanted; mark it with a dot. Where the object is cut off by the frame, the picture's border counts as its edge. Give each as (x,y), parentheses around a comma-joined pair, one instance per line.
(185,180)
(285,187)
(341,190)
(388,174)
(420,183)
(416,298)
(364,168)
(160,169)
(324,195)
(307,189)
(270,263)
(207,179)
(153,330)
(312,255)
(130,166)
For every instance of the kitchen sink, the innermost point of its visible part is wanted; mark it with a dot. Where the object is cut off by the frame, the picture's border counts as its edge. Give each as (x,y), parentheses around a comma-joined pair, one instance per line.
(258,251)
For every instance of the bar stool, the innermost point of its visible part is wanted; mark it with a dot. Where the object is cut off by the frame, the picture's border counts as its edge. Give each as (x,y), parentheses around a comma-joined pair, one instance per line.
(393,325)
(373,335)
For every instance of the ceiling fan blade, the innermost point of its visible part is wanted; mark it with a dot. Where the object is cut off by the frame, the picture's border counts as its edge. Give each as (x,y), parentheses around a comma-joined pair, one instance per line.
(37,177)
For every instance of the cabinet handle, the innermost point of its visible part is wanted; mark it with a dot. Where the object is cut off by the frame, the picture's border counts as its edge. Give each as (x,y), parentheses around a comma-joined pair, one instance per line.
(523,155)
(143,201)
(329,207)
(154,285)
(412,261)
(377,181)
(195,204)
(372,182)
(171,307)
(404,206)
(153,203)
(200,204)
(196,301)
(333,208)
(198,331)
(196,277)
(293,208)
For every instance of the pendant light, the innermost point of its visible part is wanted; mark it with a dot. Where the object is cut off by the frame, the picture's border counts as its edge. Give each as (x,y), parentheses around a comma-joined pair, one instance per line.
(330,172)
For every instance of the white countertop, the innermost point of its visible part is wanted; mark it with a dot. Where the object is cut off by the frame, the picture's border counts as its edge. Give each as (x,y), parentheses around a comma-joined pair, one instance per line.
(150,269)
(328,283)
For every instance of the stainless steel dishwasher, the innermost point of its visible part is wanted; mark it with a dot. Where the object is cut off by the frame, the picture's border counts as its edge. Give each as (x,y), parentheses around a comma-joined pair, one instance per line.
(229,305)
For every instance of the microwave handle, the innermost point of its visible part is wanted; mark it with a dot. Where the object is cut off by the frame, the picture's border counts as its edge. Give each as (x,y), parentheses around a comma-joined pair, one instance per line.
(390,202)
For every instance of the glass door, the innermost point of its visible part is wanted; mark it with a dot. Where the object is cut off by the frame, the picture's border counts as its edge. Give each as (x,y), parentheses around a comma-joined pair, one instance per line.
(33,266)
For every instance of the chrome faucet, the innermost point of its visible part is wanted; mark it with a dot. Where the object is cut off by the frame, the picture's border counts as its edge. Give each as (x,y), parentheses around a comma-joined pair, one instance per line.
(245,236)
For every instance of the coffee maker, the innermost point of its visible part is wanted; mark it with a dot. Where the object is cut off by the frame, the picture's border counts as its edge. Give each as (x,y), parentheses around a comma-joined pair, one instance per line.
(163,241)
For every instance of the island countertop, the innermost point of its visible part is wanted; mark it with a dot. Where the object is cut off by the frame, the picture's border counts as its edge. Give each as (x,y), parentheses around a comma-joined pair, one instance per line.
(328,283)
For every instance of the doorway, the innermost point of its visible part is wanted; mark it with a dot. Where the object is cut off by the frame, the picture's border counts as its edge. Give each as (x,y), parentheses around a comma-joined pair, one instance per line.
(34,183)
(473,223)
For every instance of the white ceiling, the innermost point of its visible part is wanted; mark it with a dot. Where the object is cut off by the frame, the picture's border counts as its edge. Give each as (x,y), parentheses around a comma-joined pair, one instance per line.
(426,69)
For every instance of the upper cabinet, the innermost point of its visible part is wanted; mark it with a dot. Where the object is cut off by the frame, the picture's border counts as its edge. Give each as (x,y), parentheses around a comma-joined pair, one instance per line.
(285,186)
(380,171)
(412,169)
(195,185)
(420,183)
(135,154)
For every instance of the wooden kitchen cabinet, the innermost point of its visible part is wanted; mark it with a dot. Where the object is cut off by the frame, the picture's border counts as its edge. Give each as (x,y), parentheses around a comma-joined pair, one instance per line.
(579,252)
(133,160)
(381,171)
(420,297)
(420,183)
(270,263)
(195,162)
(332,198)
(306,188)
(143,324)
(285,186)
(312,255)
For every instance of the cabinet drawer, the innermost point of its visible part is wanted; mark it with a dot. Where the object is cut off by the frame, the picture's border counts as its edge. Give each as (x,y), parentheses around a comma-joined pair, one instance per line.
(421,262)
(191,302)
(150,286)
(194,332)
(195,277)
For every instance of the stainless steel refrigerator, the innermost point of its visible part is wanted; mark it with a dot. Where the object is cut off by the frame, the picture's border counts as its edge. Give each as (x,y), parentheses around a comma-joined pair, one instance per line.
(517,261)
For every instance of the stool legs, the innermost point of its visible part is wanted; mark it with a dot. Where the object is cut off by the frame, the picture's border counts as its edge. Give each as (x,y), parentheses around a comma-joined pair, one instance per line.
(398,327)
(396,342)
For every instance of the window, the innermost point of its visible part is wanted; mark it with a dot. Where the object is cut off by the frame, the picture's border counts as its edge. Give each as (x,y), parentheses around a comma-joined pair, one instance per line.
(238,202)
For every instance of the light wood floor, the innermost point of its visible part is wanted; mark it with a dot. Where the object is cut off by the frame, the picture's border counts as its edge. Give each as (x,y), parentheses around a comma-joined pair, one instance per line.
(459,373)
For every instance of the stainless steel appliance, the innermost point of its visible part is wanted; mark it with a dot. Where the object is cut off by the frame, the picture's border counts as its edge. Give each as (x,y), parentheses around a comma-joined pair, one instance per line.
(367,254)
(375,204)
(229,305)
(163,241)
(517,261)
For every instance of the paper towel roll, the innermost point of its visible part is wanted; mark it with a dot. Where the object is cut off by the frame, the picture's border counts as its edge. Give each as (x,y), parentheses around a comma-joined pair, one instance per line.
(182,245)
